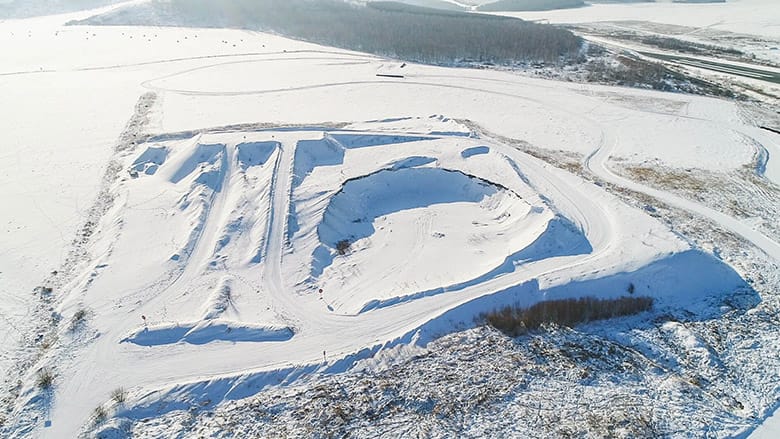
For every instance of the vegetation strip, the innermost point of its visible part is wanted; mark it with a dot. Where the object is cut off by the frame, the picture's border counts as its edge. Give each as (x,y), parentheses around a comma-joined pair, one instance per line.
(516,320)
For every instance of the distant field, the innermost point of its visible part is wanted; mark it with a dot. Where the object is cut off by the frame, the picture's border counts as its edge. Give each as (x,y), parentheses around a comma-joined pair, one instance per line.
(751,17)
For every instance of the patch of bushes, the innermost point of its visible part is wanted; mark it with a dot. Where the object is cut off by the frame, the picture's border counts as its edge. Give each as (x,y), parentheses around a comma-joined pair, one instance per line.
(687,46)
(634,72)
(514,320)
(631,72)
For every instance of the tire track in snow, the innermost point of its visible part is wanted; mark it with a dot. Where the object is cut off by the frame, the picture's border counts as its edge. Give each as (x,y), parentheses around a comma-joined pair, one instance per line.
(275,239)
(175,60)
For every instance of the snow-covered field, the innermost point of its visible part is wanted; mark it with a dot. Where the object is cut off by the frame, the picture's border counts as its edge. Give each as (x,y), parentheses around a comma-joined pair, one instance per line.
(218,212)
(751,17)
(749,26)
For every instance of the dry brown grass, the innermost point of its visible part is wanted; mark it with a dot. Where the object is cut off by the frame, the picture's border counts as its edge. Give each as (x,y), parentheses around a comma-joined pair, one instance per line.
(675,179)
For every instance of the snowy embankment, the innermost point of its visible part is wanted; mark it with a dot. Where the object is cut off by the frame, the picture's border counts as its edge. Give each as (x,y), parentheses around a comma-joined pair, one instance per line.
(210,262)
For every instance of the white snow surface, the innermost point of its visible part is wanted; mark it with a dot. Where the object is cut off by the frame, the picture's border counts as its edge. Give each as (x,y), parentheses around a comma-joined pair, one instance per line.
(751,17)
(207,268)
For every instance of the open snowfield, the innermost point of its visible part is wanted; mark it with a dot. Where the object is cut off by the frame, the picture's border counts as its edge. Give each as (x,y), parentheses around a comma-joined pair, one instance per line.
(218,212)
(749,26)
(752,17)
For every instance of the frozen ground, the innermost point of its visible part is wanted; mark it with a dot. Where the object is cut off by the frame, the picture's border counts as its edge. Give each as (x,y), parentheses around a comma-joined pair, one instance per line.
(256,171)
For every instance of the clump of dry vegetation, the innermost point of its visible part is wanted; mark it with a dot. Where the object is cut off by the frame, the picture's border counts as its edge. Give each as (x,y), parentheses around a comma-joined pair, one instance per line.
(78,318)
(677,179)
(99,415)
(515,320)
(343,246)
(45,379)
(119,395)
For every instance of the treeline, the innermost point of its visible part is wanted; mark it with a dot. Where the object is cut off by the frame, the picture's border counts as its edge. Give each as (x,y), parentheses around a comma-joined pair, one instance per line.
(384,28)
(33,8)
(514,320)
(687,46)
(530,5)
(436,4)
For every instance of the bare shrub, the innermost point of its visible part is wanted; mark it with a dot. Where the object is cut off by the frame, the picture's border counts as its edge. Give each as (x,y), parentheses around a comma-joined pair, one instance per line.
(99,415)
(78,318)
(514,320)
(119,395)
(45,379)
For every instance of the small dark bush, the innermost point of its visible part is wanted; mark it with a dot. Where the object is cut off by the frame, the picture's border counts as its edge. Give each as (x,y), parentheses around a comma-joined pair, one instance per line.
(514,321)
(43,291)
(78,318)
(99,415)
(343,246)
(119,395)
(45,379)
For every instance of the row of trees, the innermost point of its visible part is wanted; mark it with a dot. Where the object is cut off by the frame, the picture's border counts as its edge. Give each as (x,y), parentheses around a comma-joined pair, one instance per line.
(515,320)
(31,8)
(383,28)
(530,5)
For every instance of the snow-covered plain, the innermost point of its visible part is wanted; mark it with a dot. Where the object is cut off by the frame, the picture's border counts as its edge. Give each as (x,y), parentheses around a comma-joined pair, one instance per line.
(751,17)
(259,155)
(748,26)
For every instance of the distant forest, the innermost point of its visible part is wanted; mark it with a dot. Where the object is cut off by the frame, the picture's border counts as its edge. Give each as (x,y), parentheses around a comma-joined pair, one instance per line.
(384,28)
(436,4)
(530,5)
(32,8)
